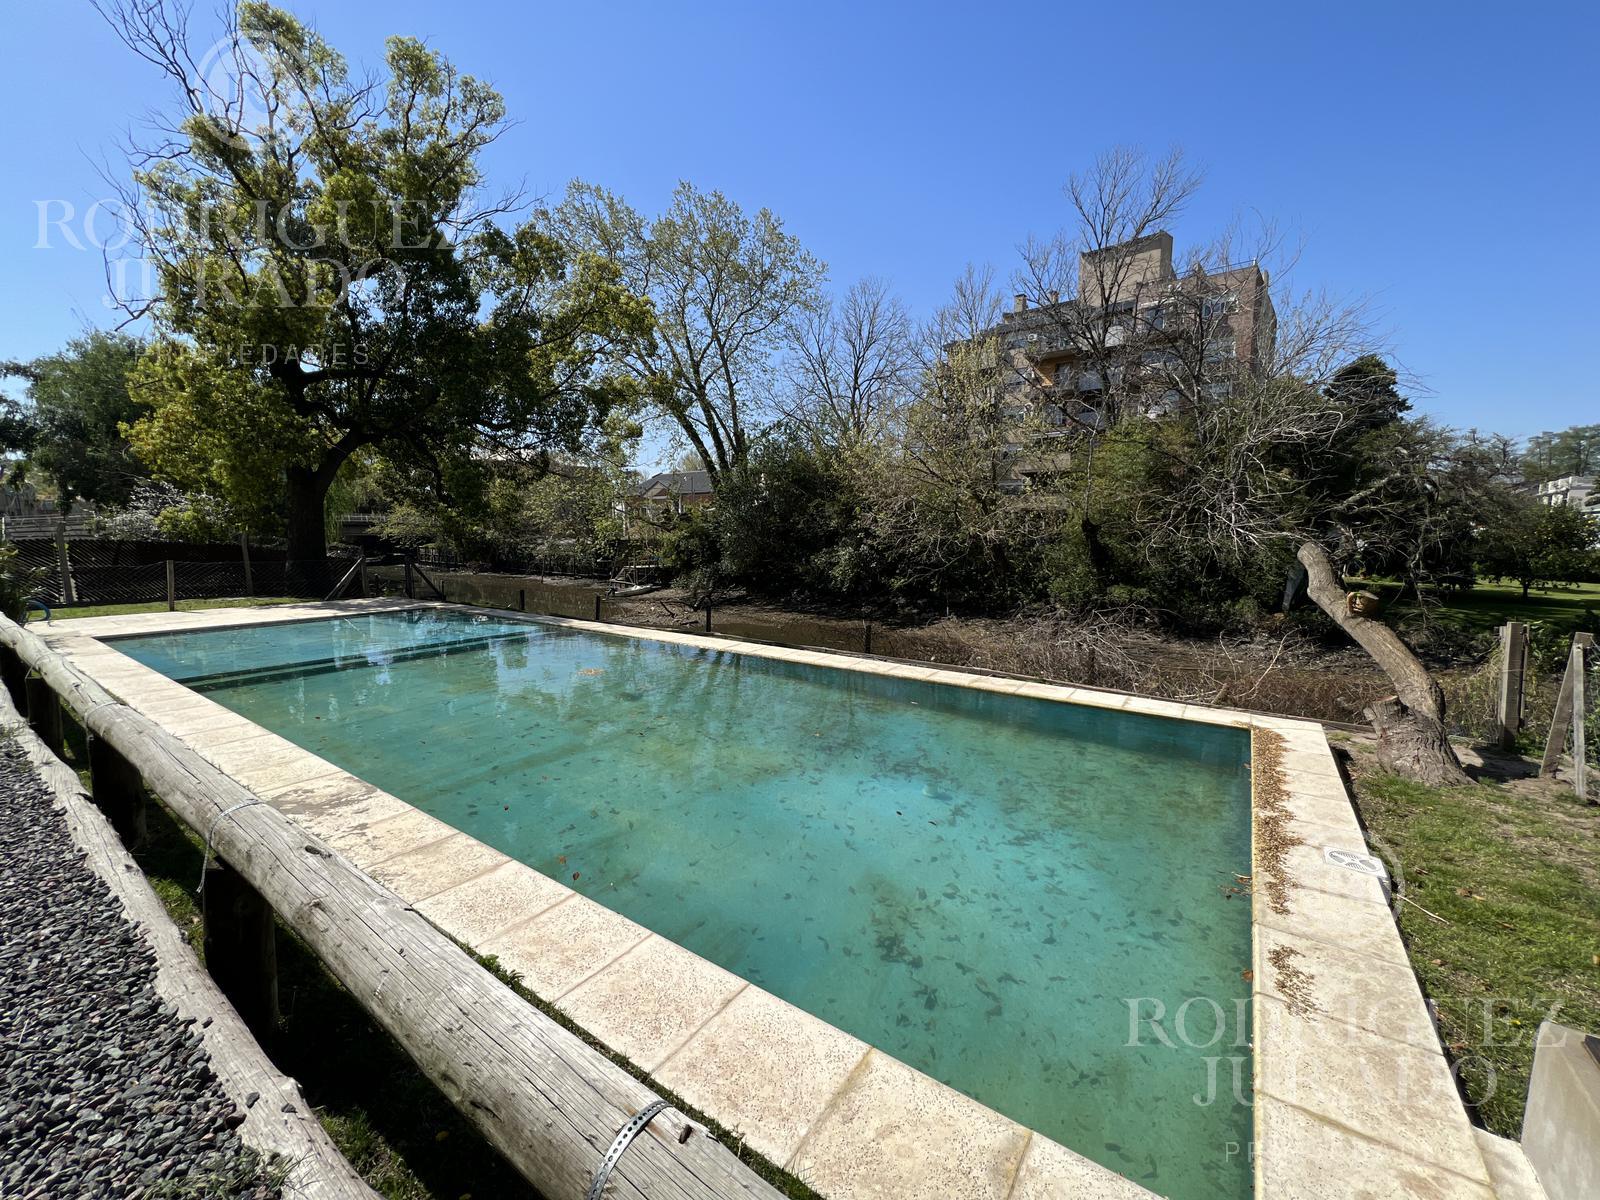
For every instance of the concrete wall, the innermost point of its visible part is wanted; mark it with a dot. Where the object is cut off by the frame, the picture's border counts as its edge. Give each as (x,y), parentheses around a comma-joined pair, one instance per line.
(1561,1128)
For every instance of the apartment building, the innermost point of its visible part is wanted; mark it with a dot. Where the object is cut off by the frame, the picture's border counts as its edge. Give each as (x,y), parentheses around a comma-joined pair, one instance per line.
(1139,337)
(1580,491)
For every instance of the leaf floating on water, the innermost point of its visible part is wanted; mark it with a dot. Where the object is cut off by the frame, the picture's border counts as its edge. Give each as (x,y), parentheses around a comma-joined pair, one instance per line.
(575,875)
(592,671)
(562,859)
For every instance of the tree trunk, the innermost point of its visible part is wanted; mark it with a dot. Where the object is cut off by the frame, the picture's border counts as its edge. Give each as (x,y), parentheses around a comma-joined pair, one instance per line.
(308,531)
(1099,556)
(1412,740)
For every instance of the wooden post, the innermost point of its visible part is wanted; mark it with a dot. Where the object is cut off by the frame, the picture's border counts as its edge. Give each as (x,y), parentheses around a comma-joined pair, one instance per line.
(244,553)
(1580,755)
(866,647)
(172,587)
(708,614)
(597,606)
(117,791)
(366,591)
(69,594)
(1565,708)
(15,676)
(241,945)
(1513,669)
(409,595)
(522,599)
(44,712)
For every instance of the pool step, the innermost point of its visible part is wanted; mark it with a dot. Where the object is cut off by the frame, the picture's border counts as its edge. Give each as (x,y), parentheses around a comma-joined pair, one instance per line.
(1509,1168)
(344,661)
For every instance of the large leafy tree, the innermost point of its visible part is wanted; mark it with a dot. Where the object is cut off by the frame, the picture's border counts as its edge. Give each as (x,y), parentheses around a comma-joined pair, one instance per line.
(331,278)
(724,287)
(17,428)
(851,366)
(1535,543)
(79,403)
(1571,451)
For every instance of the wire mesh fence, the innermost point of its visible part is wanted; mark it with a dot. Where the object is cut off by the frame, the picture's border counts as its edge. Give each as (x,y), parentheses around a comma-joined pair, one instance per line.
(94,583)
(99,577)
(1068,653)
(580,564)
(1592,718)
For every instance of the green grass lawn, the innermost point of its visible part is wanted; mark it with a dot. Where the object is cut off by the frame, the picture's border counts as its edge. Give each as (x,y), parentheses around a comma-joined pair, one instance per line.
(1488,605)
(1513,870)
(119,610)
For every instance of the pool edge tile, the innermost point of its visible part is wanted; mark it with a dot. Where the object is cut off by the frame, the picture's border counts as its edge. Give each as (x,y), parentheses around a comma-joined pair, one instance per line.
(872,1139)
(556,950)
(1050,1171)
(768,1069)
(1381,1089)
(476,909)
(424,871)
(650,1000)
(1339,921)
(1302,1155)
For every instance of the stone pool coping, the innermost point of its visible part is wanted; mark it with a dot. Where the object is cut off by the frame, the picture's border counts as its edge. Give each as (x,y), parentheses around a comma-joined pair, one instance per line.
(1353,1095)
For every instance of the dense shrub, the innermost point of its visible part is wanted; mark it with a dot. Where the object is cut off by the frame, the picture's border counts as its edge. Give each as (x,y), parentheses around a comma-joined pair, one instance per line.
(786,522)
(17,582)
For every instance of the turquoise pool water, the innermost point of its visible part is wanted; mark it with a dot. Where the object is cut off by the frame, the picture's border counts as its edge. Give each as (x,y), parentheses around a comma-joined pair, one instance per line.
(999,891)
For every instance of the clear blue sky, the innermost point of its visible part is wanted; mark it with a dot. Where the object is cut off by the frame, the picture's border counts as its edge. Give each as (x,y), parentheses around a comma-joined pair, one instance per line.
(1441,158)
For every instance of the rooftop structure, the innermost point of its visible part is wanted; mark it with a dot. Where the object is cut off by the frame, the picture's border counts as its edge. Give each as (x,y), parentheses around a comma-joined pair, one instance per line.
(674,490)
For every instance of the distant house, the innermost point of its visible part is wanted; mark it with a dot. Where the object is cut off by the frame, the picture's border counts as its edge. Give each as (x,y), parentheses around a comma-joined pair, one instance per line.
(671,492)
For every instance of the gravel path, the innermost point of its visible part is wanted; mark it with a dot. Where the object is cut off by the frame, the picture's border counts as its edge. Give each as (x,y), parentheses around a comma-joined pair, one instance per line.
(104,1092)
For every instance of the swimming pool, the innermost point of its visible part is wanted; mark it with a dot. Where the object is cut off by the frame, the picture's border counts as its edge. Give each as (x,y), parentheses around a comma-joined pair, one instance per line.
(992,889)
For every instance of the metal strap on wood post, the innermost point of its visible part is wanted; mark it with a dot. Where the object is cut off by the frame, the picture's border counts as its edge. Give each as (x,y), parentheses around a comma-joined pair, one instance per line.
(211,833)
(620,1143)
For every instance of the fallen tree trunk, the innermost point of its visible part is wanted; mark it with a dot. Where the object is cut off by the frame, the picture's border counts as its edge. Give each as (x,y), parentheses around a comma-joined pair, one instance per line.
(1412,739)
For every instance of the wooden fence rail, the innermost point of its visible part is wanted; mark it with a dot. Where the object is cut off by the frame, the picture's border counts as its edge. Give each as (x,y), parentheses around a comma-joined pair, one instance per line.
(278,1121)
(549,1102)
